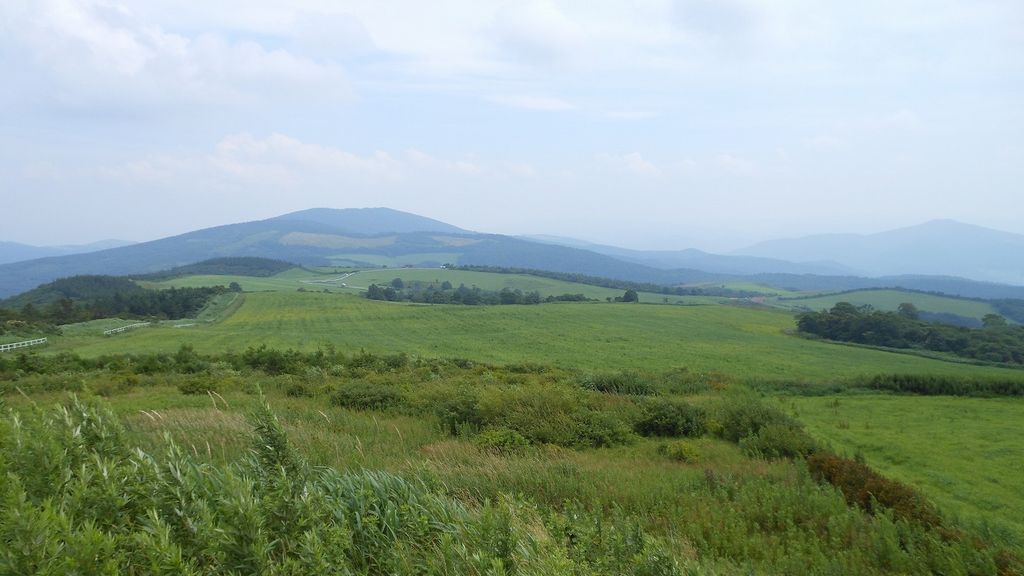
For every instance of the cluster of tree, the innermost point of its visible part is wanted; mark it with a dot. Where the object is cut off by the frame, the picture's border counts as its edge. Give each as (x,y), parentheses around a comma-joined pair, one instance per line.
(234,266)
(444,293)
(997,341)
(83,298)
(720,291)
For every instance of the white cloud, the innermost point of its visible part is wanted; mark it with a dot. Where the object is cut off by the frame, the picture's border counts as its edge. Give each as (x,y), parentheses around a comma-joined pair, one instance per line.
(733,164)
(98,53)
(631,163)
(539,32)
(543,103)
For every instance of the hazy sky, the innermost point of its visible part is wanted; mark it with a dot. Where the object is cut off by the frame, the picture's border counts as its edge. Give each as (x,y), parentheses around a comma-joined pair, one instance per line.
(706,123)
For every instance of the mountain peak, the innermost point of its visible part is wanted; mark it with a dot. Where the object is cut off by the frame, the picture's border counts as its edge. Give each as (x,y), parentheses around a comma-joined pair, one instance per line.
(370,221)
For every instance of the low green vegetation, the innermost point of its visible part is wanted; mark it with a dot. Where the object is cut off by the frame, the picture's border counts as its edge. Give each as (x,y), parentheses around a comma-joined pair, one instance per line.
(380,464)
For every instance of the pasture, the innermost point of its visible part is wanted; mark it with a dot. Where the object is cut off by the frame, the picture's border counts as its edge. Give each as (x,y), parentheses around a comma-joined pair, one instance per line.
(745,342)
(965,453)
(359,280)
(889,300)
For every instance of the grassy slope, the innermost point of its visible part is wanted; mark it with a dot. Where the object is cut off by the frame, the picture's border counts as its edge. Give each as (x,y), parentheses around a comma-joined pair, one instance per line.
(740,341)
(891,299)
(965,453)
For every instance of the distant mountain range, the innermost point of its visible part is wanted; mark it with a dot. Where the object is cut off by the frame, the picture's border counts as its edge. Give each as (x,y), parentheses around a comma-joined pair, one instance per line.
(372,236)
(940,247)
(15,252)
(705,261)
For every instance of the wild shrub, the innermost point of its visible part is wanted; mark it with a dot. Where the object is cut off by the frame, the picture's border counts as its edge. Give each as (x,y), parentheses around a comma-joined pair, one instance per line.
(778,441)
(298,390)
(863,487)
(679,452)
(456,408)
(501,441)
(553,414)
(611,544)
(629,382)
(670,417)
(739,417)
(360,395)
(198,385)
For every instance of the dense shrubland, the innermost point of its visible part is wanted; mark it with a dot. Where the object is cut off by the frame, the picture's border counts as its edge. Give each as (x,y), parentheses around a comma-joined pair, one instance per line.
(996,342)
(528,428)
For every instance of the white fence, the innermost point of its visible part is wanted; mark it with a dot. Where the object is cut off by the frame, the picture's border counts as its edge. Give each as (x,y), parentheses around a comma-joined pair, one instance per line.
(113,331)
(25,344)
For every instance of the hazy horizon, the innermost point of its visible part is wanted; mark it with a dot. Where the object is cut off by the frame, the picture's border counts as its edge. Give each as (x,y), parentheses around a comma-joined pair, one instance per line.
(665,125)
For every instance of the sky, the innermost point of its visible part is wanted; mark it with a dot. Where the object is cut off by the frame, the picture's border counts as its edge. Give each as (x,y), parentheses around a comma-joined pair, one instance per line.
(647,124)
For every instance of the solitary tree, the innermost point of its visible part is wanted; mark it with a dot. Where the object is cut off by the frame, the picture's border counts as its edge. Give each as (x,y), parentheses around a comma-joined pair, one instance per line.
(993,321)
(908,310)
(630,296)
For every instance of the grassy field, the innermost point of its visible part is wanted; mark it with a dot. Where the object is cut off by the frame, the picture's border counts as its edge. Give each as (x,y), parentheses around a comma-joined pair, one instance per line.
(360,280)
(740,341)
(891,299)
(965,453)
(755,287)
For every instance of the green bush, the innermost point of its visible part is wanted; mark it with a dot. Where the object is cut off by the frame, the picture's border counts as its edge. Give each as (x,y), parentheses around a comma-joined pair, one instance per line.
(738,418)
(359,395)
(778,441)
(680,452)
(501,441)
(629,382)
(553,414)
(664,417)
(198,385)
(456,409)
(298,390)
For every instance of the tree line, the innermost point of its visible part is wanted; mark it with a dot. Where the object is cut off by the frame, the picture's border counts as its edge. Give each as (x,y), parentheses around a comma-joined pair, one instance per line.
(996,341)
(399,290)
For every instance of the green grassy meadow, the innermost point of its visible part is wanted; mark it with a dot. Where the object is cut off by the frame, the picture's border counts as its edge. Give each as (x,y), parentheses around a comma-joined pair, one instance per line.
(361,279)
(739,341)
(889,300)
(965,453)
